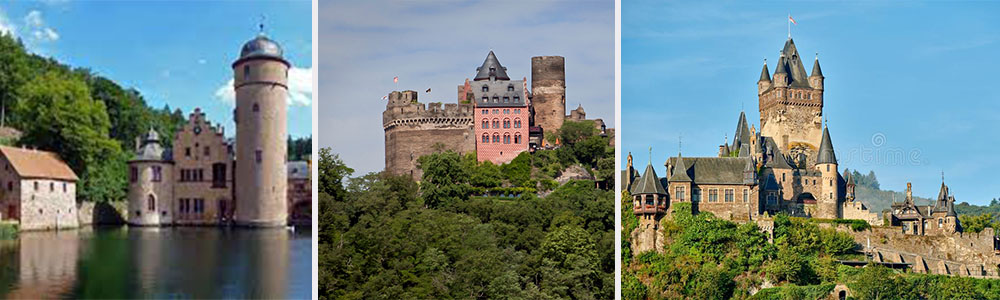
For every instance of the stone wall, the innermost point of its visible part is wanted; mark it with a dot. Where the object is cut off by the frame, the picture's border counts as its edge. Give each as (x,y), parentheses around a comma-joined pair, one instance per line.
(954,249)
(47,204)
(412,130)
(198,152)
(792,121)
(856,210)
(737,210)
(648,236)
(144,190)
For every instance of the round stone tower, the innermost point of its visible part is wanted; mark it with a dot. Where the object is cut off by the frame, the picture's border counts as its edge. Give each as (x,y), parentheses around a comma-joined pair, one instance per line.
(261,84)
(548,87)
(150,189)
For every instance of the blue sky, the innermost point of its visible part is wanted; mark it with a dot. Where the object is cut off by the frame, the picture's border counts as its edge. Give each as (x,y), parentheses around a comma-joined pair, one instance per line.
(437,45)
(176,53)
(910,86)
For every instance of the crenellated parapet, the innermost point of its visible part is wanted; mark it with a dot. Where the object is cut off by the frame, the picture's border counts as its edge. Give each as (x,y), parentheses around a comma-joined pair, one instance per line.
(414,129)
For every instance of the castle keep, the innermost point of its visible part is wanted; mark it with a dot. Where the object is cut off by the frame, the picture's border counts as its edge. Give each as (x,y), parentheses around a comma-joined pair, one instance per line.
(494,116)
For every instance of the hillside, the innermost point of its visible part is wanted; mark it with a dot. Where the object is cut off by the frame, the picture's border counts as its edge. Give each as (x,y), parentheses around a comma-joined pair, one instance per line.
(869,192)
(469,230)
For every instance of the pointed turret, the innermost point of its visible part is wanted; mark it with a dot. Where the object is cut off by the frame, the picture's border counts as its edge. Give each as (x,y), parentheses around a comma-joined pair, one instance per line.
(764,75)
(742,135)
(816,69)
(491,69)
(680,170)
(826,155)
(649,183)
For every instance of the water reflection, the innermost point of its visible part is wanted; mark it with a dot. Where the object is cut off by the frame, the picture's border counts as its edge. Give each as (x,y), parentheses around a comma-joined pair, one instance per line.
(179,262)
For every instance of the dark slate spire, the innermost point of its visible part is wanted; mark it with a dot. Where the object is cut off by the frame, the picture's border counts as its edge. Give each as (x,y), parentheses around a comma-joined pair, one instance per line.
(680,170)
(491,68)
(826,155)
(793,66)
(850,178)
(816,70)
(764,75)
(951,207)
(742,135)
(648,183)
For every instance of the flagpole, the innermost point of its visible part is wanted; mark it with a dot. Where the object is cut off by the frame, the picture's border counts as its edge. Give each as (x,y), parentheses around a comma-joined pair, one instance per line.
(789,22)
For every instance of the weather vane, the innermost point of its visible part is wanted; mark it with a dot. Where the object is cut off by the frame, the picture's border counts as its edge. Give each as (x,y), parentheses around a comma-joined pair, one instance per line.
(261,24)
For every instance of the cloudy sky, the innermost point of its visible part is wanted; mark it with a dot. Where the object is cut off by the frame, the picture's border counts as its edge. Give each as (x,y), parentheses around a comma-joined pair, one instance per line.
(910,86)
(176,53)
(437,45)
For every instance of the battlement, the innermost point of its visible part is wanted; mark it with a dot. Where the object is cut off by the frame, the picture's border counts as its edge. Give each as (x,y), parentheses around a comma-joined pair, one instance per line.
(404,109)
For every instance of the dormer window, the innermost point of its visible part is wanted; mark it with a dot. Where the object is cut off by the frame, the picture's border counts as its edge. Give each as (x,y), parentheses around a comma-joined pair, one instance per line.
(486,88)
(506,99)
(486,99)
(517,99)
(510,87)
(495,99)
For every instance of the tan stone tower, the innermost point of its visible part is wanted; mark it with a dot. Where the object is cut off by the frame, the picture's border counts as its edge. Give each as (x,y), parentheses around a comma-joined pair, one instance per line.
(150,188)
(261,77)
(548,88)
(791,104)
(827,204)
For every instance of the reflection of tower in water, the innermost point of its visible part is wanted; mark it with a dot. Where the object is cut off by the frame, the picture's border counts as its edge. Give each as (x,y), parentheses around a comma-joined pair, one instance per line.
(268,252)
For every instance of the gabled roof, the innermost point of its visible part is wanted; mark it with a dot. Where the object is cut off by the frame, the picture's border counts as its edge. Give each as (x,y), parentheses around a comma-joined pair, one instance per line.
(37,164)
(826,155)
(491,66)
(773,156)
(709,170)
(648,183)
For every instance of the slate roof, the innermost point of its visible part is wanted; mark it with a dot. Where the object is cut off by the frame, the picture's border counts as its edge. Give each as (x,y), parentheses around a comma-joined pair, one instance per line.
(773,156)
(709,170)
(791,64)
(680,173)
(491,66)
(826,155)
(816,70)
(499,93)
(261,46)
(742,136)
(648,183)
(29,163)
(151,149)
(764,74)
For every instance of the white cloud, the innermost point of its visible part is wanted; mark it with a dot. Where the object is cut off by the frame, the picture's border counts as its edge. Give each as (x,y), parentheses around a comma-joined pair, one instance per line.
(39,31)
(202,61)
(5,26)
(299,88)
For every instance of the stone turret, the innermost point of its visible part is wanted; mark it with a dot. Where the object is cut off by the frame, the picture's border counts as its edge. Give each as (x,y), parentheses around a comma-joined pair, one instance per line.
(816,79)
(826,164)
(649,203)
(765,80)
(150,189)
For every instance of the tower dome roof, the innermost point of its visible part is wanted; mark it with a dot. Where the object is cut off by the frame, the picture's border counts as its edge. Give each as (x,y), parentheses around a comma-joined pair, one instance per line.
(261,46)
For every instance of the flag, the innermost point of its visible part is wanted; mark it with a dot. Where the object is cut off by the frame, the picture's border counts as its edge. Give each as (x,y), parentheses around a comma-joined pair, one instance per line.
(395,79)
(792,20)
(428,90)
(385,97)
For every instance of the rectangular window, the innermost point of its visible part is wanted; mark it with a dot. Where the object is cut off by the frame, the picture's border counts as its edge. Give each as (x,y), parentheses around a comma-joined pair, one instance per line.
(772,199)
(259,156)
(746,195)
(713,195)
(133,174)
(207,151)
(679,193)
(157,173)
(187,152)
(729,195)
(696,195)
(219,175)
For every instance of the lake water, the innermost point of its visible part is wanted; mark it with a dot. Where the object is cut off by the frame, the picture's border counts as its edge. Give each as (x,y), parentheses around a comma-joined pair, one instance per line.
(173,262)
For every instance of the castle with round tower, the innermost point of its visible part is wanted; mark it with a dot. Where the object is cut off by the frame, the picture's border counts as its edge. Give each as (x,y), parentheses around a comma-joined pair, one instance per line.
(207,179)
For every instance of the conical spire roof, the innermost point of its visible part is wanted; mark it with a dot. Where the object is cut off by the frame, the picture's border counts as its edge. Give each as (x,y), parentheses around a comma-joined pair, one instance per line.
(680,170)
(764,74)
(791,63)
(491,67)
(816,69)
(826,155)
(742,135)
(649,183)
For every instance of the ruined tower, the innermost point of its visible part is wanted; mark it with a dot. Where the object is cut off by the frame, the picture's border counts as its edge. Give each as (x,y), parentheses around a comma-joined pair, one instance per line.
(261,83)
(414,129)
(791,104)
(548,87)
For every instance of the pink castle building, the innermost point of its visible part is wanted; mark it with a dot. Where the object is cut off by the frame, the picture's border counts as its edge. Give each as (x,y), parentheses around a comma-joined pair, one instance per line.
(501,113)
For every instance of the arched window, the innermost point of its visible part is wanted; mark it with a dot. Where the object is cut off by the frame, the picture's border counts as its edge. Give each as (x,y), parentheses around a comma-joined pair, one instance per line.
(940,222)
(506,123)
(517,138)
(517,122)
(486,124)
(496,123)
(496,137)
(506,138)
(246,72)
(486,138)
(256,108)
(151,203)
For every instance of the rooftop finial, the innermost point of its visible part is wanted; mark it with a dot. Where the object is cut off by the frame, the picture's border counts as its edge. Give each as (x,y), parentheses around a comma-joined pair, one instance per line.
(261,24)
(817,55)
(942,175)
(650,154)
